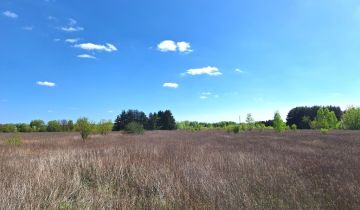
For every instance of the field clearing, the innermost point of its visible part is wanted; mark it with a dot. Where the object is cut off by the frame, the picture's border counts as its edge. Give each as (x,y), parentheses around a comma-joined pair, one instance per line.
(182,170)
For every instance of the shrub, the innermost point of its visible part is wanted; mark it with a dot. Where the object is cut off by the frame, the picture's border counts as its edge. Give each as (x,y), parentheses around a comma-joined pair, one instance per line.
(84,127)
(324,131)
(250,122)
(351,119)
(279,124)
(233,129)
(104,127)
(324,119)
(134,127)
(294,127)
(14,141)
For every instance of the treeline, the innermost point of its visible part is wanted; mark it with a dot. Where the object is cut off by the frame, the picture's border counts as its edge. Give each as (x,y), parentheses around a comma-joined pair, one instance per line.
(315,117)
(161,120)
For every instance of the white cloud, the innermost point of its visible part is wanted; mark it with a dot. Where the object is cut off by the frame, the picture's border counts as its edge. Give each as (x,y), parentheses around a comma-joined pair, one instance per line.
(170,85)
(51,18)
(90,46)
(72,41)
(204,97)
(172,46)
(57,40)
(71,28)
(46,83)
(10,14)
(110,111)
(167,46)
(206,93)
(184,47)
(239,70)
(212,71)
(86,56)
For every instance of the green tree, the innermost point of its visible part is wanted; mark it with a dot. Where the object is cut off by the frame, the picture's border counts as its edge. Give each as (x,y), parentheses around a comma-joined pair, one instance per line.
(105,126)
(166,120)
(23,127)
(279,124)
(351,119)
(53,126)
(250,121)
(135,128)
(38,125)
(84,127)
(325,119)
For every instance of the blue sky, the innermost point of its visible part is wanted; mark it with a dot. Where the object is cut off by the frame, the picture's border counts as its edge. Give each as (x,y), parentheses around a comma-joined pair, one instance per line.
(205,60)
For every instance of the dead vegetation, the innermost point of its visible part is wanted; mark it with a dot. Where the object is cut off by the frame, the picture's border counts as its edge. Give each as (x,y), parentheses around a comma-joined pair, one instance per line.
(182,170)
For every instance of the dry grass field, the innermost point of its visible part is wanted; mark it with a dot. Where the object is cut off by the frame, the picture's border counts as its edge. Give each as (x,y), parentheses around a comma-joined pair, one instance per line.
(182,170)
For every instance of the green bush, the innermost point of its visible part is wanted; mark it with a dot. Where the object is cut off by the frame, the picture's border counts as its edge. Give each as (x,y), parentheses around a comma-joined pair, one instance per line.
(324,119)
(279,124)
(134,127)
(14,141)
(351,119)
(84,127)
(324,131)
(104,127)
(294,127)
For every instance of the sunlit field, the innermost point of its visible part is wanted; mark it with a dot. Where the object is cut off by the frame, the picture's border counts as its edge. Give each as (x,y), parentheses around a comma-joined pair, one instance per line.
(182,170)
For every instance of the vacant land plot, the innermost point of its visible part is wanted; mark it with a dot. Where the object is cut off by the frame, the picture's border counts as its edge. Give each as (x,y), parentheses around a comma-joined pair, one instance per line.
(182,170)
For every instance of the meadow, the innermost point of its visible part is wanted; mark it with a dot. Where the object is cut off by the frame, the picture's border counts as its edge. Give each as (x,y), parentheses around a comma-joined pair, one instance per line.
(182,170)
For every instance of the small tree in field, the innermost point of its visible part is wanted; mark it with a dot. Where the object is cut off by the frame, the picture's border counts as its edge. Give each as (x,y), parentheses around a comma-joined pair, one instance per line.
(250,121)
(105,126)
(351,119)
(84,127)
(279,124)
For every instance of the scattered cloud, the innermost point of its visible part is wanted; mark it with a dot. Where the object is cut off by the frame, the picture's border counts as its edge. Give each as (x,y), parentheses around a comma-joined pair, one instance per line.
(71,28)
(110,111)
(184,47)
(86,56)
(259,99)
(72,41)
(170,85)
(28,28)
(204,97)
(51,18)
(172,46)
(57,40)
(46,83)
(239,70)
(10,14)
(91,47)
(207,95)
(212,71)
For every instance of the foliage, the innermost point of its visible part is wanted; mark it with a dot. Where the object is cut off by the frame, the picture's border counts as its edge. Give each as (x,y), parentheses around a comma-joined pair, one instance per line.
(38,125)
(53,126)
(279,124)
(324,131)
(351,119)
(8,128)
(135,128)
(166,120)
(104,127)
(129,116)
(324,119)
(302,116)
(23,127)
(293,127)
(14,141)
(250,121)
(84,127)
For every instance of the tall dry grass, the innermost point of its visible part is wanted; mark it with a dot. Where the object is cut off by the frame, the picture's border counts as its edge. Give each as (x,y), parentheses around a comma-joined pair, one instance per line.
(181,170)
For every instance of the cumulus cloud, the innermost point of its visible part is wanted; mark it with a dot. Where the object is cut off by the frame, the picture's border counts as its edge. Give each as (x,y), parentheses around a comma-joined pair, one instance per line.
(97,47)
(46,83)
(172,46)
(167,46)
(72,41)
(184,47)
(86,56)
(212,71)
(10,14)
(204,97)
(170,85)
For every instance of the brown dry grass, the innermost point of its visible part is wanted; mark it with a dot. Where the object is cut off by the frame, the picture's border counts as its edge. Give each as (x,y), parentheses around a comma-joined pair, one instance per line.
(182,170)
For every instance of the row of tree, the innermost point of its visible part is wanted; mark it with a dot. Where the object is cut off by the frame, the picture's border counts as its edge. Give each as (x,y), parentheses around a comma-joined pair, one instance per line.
(162,120)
